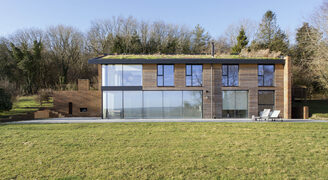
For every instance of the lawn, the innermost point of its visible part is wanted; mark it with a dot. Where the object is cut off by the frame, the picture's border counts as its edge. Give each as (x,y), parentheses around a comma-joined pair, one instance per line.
(164,151)
(24,105)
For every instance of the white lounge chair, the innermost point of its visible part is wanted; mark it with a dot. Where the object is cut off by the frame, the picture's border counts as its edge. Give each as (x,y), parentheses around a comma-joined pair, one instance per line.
(275,115)
(264,115)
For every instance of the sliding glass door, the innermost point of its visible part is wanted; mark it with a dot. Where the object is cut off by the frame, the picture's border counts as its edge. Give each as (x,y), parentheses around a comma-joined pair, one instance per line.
(234,104)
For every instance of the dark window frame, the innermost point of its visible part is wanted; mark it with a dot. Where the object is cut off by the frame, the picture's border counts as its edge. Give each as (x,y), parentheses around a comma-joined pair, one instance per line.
(274,99)
(191,75)
(163,75)
(227,75)
(263,75)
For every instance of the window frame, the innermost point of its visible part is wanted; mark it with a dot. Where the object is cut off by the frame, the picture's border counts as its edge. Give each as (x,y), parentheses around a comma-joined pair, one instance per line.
(263,76)
(191,75)
(228,75)
(258,99)
(163,75)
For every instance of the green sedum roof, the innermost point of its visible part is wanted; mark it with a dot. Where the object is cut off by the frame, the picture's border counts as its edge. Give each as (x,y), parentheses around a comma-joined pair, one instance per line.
(182,56)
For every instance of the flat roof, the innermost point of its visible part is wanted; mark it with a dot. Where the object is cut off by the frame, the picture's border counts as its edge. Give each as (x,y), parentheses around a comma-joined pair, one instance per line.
(181,59)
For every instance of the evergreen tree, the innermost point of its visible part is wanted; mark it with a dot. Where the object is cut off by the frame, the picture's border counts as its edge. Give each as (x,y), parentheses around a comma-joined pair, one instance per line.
(200,40)
(241,41)
(270,36)
(28,63)
(136,46)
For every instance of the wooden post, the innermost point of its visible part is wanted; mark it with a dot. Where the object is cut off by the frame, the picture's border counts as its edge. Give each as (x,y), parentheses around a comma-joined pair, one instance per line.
(305,112)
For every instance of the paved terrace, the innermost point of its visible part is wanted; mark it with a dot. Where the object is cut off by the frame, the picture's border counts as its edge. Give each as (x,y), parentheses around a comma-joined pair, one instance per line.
(98,120)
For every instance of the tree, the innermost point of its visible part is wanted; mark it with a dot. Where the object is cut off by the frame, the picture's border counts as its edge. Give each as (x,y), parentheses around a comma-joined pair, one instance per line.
(241,41)
(319,44)
(270,36)
(302,56)
(28,62)
(200,40)
(5,101)
(65,45)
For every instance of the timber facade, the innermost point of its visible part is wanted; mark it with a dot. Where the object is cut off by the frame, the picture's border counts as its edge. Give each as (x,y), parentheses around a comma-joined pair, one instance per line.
(181,88)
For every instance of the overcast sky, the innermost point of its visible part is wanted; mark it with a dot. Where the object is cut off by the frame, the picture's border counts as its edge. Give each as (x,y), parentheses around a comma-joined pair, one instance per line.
(214,15)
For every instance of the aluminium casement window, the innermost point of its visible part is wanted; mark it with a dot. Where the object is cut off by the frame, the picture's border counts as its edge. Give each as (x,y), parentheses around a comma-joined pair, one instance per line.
(165,75)
(194,75)
(265,75)
(265,100)
(230,75)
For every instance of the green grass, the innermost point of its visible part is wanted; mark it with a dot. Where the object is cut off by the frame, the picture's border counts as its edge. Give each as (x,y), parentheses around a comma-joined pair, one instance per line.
(165,151)
(181,56)
(23,105)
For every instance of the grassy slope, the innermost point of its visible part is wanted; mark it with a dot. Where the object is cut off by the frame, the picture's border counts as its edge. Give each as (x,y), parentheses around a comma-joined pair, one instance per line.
(23,105)
(165,150)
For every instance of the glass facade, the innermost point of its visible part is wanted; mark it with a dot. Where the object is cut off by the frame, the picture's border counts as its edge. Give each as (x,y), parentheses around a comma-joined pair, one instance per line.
(165,75)
(266,100)
(112,104)
(265,75)
(230,75)
(234,104)
(121,75)
(132,101)
(152,104)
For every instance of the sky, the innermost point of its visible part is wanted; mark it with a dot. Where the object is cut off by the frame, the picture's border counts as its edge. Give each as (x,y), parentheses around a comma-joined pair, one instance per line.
(214,15)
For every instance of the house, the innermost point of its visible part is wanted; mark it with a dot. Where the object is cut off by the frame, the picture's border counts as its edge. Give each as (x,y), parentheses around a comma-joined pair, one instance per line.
(181,86)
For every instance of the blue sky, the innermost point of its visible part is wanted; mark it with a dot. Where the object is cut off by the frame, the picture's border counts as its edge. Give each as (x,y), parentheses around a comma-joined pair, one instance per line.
(214,15)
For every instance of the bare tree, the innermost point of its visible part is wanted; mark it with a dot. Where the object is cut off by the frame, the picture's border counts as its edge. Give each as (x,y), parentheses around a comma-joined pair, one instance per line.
(319,43)
(65,45)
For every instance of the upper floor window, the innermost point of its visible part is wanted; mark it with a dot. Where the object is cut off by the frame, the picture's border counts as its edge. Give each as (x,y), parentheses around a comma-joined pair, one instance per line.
(230,75)
(121,75)
(165,75)
(194,75)
(265,75)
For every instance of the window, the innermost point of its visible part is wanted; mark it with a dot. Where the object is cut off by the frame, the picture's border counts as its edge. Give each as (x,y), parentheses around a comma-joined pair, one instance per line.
(230,75)
(192,104)
(132,104)
(132,75)
(194,75)
(152,104)
(235,104)
(165,75)
(121,75)
(172,104)
(112,104)
(265,75)
(266,100)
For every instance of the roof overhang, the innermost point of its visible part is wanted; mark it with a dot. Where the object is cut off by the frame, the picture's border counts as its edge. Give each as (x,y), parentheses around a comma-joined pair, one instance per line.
(185,61)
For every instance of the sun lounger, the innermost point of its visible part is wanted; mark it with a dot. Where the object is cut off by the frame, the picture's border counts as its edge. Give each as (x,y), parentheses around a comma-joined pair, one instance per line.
(275,115)
(264,115)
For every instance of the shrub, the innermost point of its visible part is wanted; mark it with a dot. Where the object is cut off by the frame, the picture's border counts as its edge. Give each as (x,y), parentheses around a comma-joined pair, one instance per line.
(5,101)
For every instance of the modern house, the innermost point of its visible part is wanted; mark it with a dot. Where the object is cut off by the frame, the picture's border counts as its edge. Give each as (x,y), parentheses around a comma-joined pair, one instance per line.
(167,86)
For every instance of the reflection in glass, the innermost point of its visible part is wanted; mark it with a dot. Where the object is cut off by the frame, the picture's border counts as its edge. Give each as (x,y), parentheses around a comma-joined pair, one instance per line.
(230,75)
(132,75)
(132,104)
(197,75)
(266,100)
(168,75)
(153,104)
(234,104)
(265,75)
(112,104)
(114,74)
(172,101)
(192,104)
